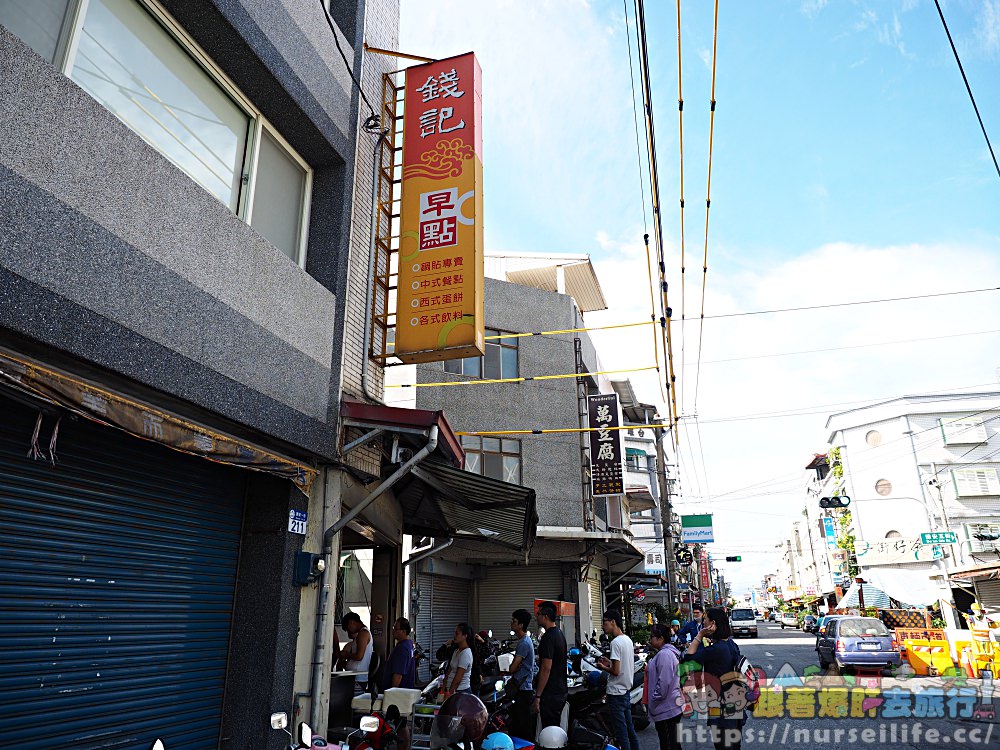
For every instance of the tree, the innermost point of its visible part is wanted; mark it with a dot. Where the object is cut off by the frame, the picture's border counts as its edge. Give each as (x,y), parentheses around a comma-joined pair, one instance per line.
(845,540)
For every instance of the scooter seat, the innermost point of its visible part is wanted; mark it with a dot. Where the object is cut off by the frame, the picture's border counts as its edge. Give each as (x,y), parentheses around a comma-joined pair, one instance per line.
(402,698)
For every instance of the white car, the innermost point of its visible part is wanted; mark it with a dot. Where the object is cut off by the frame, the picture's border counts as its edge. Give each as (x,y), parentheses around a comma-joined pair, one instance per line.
(788,619)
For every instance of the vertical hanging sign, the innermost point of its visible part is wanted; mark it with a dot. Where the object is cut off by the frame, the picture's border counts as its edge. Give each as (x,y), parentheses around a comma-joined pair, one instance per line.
(439,299)
(606,454)
(706,578)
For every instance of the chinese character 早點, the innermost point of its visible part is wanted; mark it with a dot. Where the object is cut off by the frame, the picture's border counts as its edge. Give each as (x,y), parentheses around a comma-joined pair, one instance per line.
(448,82)
(439,203)
(430,89)
(437,233)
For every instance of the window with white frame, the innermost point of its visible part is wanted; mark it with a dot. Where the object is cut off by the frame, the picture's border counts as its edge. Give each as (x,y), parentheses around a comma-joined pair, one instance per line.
(499,361)
(963,431)
(136,61)
(976,482)
(499,458)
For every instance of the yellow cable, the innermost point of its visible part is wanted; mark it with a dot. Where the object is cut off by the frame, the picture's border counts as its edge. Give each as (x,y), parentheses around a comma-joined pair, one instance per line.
(557,430)
(564,330)
(680,140)
(516,380)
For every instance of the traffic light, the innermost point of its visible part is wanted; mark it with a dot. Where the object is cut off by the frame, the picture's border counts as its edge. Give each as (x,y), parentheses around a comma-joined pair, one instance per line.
(840,501)
(737,558)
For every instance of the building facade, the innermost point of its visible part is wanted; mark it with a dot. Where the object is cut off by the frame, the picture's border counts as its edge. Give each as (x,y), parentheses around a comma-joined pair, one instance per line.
(185,213)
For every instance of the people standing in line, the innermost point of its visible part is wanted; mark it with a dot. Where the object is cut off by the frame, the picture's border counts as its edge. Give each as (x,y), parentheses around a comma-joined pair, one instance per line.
(690,629)
(400,669)
(664,695)
(550,688)
(480,650)
(621,670)
(522,669)
(458,675)
(356,655)
(673,635)
(719,659)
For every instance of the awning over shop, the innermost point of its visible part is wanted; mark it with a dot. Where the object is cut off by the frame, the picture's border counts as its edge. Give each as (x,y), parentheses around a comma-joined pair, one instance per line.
(440,500)
(874,597)
(991,571)
(639,498)
(911,587)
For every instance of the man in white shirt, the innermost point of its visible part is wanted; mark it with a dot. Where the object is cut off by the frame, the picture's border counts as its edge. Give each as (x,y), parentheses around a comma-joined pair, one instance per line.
(621,671)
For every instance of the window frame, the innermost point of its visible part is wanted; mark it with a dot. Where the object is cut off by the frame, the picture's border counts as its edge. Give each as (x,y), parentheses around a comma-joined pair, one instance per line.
(505,335)
(473,444)
(257,121)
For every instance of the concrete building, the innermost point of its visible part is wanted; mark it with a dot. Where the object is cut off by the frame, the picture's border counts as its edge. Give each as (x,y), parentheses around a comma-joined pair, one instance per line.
(185,210)
(584,552)
(920,465)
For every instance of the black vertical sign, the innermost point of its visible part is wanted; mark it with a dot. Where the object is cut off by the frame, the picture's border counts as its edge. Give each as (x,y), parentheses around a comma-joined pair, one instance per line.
(606,475)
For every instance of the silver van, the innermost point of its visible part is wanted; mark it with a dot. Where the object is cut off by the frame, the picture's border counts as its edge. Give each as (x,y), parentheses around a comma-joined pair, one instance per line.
(743,622)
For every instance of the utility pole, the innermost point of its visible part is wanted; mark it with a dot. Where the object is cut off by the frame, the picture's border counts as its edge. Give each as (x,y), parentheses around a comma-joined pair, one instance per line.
(665,513)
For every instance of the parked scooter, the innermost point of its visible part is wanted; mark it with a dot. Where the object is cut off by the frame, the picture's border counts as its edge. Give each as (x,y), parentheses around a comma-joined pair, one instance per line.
(303,738)
(586,662)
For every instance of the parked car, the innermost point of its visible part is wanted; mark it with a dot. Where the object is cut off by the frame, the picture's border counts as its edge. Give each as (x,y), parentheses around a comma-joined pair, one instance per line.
(788,619)
(808,624)
(857,642)
(772,616)
(743,622)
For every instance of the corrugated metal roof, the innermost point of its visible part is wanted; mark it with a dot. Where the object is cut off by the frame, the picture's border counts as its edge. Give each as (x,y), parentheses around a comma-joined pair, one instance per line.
(441,500)
(581,281)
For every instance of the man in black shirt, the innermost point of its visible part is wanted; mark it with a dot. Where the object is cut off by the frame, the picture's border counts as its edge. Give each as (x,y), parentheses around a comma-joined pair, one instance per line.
(550,689)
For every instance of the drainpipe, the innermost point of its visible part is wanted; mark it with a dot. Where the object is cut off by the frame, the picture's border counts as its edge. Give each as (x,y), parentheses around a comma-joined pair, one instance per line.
(428,553)
(326,601)
(369,296)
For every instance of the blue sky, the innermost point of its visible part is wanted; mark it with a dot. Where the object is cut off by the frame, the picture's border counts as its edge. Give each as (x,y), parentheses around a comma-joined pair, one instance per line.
(848,165)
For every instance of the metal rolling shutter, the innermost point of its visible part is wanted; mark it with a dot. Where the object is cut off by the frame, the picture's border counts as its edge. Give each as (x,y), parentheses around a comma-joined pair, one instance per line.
(506,589)
(443,603)
(117,575)
(596,586)
(988,592)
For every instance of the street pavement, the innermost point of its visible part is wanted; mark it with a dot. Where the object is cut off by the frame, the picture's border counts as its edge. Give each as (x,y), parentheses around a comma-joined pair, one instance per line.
(803,707)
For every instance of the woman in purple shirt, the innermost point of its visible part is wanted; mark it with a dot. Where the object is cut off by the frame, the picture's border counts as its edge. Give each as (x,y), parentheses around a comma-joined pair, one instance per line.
(664,688)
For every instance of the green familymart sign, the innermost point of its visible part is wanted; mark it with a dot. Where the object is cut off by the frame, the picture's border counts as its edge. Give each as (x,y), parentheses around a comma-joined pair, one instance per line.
(696,529)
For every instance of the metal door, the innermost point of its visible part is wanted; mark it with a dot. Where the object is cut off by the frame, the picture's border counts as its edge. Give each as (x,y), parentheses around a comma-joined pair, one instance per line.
(117,576)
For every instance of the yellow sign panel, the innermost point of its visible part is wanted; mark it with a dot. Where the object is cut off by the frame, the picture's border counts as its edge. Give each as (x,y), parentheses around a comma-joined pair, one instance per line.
(439,298)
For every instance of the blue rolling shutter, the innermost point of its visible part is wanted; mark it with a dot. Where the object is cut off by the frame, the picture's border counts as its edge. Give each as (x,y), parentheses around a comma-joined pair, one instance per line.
(117,577)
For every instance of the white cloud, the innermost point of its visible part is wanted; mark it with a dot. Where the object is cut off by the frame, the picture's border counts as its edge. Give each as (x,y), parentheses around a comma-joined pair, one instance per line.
(988,27)
(812,8)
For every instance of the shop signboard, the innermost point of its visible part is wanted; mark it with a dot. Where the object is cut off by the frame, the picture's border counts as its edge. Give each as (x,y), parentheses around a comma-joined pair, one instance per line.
(895,551)
(439,299)
(697,529)
(706,581)
(829,532)
(607,458)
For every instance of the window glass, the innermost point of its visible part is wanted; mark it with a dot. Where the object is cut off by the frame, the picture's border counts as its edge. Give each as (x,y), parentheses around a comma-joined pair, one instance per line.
(511,446)
(279,192)
(491,444)
(472,366)
(508,365)
(512,469)
(493,465)
(491,364)
(130,64)
(39,23)
(470,441)
(472,463)
(453,366)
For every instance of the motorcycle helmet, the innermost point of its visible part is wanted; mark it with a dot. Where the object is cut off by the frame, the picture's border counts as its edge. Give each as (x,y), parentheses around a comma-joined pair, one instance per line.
(594,678)
(461,718)
(498,741)
(552,738)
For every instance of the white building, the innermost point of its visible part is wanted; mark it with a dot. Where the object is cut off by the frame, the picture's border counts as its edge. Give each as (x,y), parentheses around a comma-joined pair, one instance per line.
(918,465)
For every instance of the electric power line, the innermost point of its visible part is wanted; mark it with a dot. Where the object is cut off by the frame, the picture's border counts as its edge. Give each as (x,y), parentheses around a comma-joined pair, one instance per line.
(373,122)
(967,86)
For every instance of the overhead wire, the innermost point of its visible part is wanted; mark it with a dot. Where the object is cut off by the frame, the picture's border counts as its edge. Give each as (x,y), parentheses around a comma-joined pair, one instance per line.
(665,313)
(680,144)
(968,88)
(708,202)
(525,379)
(373,122)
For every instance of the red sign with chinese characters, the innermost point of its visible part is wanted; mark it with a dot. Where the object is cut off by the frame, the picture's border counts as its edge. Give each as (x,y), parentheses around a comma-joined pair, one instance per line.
(706,579)
(439,299)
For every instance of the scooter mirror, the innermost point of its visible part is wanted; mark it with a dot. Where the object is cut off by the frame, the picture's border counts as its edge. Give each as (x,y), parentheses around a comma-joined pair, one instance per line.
(498,685)
(305,735)
(489,633)
(512,632)
(368,724)
(158,745)
(279,720)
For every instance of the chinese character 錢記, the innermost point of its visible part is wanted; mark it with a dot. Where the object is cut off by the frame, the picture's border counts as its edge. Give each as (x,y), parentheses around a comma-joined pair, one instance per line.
(446,114)
(430,89)
(449,85)
(428,123)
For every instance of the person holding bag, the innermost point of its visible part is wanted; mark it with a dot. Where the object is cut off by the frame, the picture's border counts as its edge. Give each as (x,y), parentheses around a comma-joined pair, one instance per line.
(713,648)
(663,695)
